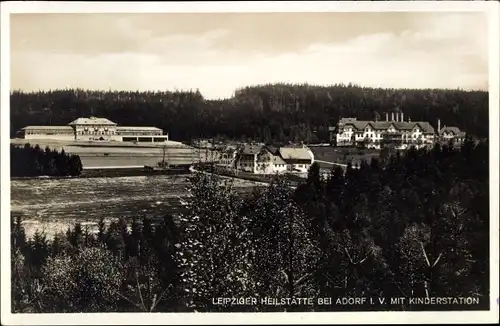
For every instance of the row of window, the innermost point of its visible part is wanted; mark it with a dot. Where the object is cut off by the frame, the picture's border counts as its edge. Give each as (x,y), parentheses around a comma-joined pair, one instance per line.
(92,132)
(261,166)
(370,130)
(145,133)
(372,135)
(144,139)
(48,132)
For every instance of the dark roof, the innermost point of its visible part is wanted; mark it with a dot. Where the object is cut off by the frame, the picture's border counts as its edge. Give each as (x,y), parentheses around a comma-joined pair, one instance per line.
(454,130)
(273,149)
(251,149)
(384,125)
(278,160)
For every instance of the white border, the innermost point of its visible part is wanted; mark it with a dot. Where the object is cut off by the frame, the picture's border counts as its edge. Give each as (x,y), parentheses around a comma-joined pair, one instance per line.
(492,7)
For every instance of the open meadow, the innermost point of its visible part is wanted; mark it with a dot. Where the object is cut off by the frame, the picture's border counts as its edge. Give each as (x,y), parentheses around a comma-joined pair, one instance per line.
(106,154)
(343,155)
(52,205)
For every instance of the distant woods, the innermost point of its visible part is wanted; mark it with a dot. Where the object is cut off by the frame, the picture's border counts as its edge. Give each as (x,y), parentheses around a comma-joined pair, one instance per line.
(269,113)
(31,161)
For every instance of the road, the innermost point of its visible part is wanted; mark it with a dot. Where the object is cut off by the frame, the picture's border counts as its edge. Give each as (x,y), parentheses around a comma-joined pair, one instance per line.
(331,163)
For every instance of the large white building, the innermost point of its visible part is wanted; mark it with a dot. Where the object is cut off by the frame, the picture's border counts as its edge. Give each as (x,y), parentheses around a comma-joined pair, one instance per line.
(376,134)
(94,129)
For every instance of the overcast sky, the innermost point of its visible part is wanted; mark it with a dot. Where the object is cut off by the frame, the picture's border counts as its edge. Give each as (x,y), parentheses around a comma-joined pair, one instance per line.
(218,53)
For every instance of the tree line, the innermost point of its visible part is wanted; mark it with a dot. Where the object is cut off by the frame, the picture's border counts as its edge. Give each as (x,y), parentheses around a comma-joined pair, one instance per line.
(272,113)
(29,161)
(413,225)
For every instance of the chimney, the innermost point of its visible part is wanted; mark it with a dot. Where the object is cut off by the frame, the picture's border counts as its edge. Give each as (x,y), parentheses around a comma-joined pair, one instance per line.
(386,116)
(392,116)
(439,126)
(409,119)
(402,117)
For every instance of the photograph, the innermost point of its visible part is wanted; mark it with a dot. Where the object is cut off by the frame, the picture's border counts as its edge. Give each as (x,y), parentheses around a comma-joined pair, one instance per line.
(267,162)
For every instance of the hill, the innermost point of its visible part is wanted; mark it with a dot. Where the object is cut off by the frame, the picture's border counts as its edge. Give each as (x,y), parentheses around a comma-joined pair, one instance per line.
(274,112)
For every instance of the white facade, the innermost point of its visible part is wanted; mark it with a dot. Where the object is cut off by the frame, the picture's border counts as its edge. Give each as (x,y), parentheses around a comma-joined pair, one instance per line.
(94,129)
(299,167)
(374,134)
(227,158)
(262,161)
(280,167)
(42,132)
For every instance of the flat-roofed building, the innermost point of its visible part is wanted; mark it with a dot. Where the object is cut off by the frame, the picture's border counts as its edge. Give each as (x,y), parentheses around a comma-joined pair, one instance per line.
(50,132)
(94,129)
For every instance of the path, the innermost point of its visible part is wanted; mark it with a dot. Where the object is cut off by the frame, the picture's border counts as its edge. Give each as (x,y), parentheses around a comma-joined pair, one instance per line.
(331,163)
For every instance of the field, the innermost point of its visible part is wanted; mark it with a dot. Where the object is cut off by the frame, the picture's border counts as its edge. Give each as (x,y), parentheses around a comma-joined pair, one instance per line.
(53,205)
(343,155)
(100,154)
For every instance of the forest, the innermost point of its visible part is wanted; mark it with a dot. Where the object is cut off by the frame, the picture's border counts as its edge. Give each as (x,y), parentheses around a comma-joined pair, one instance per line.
(29,161)
(414,225)
(273,113)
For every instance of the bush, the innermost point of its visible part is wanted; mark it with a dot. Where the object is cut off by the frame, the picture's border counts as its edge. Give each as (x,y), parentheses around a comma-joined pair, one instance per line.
(87,282)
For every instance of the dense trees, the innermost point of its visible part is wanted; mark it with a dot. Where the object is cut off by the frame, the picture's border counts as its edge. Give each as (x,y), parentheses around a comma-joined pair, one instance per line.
(275,113)
(415,225)
(31,161)
(115,269)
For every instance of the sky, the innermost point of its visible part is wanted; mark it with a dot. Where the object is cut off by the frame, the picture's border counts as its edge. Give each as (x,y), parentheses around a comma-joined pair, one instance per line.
(220,52)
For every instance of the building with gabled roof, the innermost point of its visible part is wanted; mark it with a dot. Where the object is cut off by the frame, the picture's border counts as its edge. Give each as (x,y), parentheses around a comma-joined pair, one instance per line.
(92,121)
(262,159)
(298,158)
(452,133)
(279,165)
(94,129)
(377,134)
(249,156)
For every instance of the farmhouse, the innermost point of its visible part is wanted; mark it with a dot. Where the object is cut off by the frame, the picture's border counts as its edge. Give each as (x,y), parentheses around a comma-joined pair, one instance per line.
(261,159)
(246,159)
(94,129)
(298,159)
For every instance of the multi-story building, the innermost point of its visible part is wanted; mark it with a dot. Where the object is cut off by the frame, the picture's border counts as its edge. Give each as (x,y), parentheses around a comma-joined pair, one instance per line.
(94,129)
(261,159)
(451,133)
(298,159)
(377,134)
(247,157)
(227,157)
